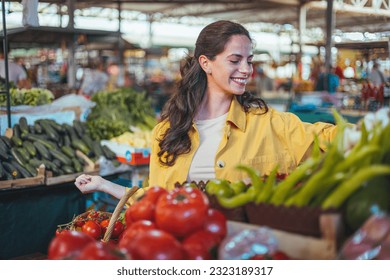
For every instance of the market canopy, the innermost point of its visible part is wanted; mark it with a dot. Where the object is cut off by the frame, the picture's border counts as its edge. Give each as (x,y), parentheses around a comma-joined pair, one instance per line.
(29,37)
(350,15)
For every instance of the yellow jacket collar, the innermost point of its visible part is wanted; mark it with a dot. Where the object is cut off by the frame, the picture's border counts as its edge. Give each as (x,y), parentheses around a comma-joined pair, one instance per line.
(237,115)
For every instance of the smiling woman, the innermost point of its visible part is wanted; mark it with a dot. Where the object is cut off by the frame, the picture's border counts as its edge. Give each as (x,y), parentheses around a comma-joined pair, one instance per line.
(211,123)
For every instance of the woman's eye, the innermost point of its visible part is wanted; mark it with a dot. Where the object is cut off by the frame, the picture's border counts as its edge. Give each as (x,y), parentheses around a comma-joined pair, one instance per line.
(234,61)
(250,62)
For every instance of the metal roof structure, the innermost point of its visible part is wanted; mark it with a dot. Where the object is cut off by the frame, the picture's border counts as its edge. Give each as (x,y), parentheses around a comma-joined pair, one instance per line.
(350,15)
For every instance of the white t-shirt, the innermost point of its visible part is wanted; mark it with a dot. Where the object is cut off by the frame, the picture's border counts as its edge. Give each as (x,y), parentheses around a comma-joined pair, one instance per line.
(15,71)
(210,133)
(93,81)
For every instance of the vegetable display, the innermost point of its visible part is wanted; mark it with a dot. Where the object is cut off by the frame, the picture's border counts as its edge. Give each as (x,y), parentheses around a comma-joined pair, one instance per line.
(117,111)
(159,225)
(30,97)
(324,180)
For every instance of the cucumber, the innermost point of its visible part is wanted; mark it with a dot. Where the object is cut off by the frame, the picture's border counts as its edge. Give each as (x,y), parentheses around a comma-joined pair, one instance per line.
(23,171)
(18,157)
(57,162)
(37,127)
(6,141)
(61,157)
(49,131)
(43,140)
(88,141)
(77,165)
(29,146)
(11,170)
(16,130)
(68,151)
(67,169)
(80,145)
(3,151)
(33,171)
(97,148)
(35,163)
(23,125)
(1,170)
(24,153)
(16,141)
(78,128)
(42,150)
(108,153)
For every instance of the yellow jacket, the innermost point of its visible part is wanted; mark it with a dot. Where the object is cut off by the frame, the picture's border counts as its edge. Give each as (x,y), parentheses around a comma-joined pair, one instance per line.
(258,140)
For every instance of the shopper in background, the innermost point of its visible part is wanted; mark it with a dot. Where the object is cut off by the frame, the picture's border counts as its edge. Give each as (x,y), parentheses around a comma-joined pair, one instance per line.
(211,123)
(328,81)
(376,77)
(263,82)
(16,73)
(94,79)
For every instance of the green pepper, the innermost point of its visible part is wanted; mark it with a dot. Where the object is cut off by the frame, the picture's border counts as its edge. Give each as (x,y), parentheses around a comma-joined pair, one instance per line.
(238,200)
(238,187)
(266,193)
(284,188)
(219,188)
(345,189)
(257,181)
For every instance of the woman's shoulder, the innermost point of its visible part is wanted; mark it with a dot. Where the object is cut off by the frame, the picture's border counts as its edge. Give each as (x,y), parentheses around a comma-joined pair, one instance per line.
(161,127)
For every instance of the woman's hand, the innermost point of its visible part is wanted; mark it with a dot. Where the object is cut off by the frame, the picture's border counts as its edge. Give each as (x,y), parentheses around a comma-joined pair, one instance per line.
(87,183)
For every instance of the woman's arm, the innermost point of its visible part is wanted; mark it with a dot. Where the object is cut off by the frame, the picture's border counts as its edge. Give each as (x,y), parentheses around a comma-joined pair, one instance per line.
(87,184)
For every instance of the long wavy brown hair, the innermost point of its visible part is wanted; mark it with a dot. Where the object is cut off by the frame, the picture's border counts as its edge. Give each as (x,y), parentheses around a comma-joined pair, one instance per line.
(183,104)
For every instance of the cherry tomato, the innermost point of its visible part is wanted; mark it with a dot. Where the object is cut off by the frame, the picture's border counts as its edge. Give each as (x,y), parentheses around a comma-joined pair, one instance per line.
(181,211)
(104,225)
(216,223)
(92,228)
(201,245)
(68,245)
(118,229)
(155,244)
(79,222)
(144,208)
(101,251)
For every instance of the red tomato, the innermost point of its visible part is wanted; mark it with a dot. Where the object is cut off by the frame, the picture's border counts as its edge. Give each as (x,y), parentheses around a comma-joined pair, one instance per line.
(155,244)
(181,211)
(201,245)
(135,228)
(280,255)
(101,251)
(118,229)
(92,228)
(104,225)
(68,245)
(216,223)
(144,208)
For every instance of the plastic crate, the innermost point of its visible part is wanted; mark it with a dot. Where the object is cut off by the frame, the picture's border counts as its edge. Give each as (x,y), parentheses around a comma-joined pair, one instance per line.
(127,154)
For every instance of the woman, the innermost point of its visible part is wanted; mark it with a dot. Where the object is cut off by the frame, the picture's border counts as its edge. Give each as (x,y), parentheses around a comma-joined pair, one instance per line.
(211,123)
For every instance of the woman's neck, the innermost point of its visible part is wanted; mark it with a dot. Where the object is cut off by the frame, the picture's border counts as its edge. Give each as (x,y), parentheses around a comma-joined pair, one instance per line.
(213,106)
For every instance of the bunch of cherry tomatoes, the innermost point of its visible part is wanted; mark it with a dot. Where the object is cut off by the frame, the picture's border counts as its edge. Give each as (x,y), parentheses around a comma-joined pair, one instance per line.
(160,225)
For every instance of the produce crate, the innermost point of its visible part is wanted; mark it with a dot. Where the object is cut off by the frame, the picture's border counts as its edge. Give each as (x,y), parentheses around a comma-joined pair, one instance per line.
(297,246)
(90,168)
(128,154)
(301,220)
(25,182)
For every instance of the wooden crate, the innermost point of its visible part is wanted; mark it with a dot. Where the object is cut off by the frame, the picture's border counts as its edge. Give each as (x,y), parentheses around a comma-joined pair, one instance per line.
(302,247)
(25,182)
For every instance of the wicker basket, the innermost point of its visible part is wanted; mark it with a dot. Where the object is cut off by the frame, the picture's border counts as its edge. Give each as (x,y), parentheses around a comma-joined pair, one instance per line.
(102,215)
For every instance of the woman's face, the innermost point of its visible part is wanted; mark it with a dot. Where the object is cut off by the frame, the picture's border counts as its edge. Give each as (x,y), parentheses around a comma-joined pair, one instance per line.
(230,70)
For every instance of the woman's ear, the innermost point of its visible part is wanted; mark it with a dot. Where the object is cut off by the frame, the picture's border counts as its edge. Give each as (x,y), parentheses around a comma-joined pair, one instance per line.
(204,62)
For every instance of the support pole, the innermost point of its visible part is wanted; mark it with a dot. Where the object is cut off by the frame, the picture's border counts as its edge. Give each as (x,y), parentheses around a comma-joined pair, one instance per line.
(5,49)
(329,39)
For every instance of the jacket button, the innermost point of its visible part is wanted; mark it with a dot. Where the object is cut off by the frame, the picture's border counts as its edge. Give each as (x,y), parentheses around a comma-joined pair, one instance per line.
(221,163)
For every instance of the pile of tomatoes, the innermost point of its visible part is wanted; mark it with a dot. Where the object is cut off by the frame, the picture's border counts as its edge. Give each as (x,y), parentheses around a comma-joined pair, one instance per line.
(160,225)
(93,223)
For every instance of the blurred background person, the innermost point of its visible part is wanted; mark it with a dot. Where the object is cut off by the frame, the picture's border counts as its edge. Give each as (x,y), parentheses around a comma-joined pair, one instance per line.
(94,79)
(263,82)
(376,76)
(328,82)
(16,73)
